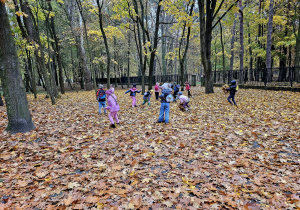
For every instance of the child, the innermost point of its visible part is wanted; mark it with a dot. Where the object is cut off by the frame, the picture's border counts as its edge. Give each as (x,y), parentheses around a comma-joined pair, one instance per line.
(156,88)
(101,99)
(133,92)
(232,90)
(188,88)
(165,105)
(113,106)
(147,97)
(184,100)
(176,90)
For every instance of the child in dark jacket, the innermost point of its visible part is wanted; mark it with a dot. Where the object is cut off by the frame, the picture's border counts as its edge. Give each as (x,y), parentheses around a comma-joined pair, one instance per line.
(176,90)
(101,97)
(133,92)
(147,97)
(232,90)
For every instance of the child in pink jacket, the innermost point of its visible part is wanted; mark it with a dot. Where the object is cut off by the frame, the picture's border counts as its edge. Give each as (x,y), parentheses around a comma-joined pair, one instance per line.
(113,106)
(184,100)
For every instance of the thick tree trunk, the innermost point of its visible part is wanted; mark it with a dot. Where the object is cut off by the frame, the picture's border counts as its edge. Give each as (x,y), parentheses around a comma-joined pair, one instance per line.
(241,77)
(19,118)
(269,43)
(163,49)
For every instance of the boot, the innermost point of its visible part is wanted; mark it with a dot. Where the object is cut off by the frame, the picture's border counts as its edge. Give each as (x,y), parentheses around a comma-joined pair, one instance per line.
(112,126)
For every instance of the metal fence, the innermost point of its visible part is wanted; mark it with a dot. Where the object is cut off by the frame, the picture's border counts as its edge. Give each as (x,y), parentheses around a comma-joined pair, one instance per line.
(279,76)
(138,80)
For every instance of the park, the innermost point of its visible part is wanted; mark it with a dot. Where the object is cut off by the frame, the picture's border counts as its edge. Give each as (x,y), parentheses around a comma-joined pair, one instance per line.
(149,104)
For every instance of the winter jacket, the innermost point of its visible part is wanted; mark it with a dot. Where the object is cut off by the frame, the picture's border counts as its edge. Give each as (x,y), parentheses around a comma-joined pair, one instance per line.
(232,89)
(133,91)
(176,88)
(147,96)
(183,99)
(187,87)
(112,103)
(165,93)
(101,95)
(156,88)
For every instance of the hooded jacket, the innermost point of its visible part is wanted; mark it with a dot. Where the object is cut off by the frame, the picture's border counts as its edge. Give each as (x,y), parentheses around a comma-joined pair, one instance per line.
(112,103)
(133,91)
(165,93)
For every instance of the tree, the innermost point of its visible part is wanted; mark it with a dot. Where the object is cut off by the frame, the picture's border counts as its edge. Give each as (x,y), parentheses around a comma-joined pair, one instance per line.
(19,118)
(206,27)
(269,42)
(297,51)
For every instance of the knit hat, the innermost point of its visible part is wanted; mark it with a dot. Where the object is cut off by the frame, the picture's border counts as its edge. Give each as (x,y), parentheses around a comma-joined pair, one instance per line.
(179,93)
(134,85)
(100,86)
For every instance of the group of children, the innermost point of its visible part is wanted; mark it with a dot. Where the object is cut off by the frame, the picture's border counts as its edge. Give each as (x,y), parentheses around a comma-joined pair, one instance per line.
(166,98)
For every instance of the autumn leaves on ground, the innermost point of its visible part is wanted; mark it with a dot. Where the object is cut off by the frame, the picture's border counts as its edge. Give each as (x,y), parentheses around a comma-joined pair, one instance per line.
(215,157)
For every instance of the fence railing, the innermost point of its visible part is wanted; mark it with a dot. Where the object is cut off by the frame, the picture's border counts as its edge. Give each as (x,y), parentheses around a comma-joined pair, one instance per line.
(285,76)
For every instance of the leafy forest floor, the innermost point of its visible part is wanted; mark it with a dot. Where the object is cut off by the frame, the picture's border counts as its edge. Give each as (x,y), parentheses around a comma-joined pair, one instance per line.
(215,157)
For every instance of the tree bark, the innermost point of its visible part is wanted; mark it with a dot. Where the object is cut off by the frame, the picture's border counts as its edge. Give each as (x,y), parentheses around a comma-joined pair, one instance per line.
(19,118)
(79,44)
(33,36)
(223,53)
(128,60)
(100,6)
(57,52)
(241,76)
(297,52)
(232,49)
(269,43)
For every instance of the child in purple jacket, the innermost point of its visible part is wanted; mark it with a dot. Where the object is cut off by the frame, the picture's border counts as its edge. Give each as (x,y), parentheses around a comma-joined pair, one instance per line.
(133,92)
(113,106)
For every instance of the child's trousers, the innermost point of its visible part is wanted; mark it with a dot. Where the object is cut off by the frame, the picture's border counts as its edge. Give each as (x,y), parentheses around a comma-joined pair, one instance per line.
(133,100)
(113,115)
(102,104)
(229,97)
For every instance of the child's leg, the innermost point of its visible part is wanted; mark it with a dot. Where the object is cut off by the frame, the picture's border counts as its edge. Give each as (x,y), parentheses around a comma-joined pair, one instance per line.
(156,95)
(185,104)
(100,105)
(189,93)
(161,113)
(110,116)
(233,100)
(116,117)
(133,100)
(228,99)
(144,101)
(104,105)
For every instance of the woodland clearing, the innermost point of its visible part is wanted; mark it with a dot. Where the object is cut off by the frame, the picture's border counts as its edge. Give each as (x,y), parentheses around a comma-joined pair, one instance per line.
(216,156)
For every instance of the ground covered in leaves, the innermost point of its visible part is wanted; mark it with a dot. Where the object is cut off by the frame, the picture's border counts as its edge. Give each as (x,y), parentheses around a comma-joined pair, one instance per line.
(215,157)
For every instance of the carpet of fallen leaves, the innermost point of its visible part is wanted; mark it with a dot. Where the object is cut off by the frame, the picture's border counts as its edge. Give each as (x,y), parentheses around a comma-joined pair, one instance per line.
(215,157)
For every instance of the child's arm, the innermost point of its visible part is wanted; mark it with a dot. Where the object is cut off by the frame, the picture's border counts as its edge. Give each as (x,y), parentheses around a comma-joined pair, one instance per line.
(127,91)
(138,91)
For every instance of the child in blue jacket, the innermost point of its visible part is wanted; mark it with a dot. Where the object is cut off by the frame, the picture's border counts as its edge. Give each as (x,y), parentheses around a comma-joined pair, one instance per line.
(101,98)
(231,90)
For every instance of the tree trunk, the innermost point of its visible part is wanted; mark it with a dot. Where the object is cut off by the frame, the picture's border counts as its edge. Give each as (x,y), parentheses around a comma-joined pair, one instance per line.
(57,53)
(232,49)
(297,53)
(269,43)
(154,47)
(223,53)
(105,42)
(163,49)
(128,60)
(33,36)
(241,77)
(19,118)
